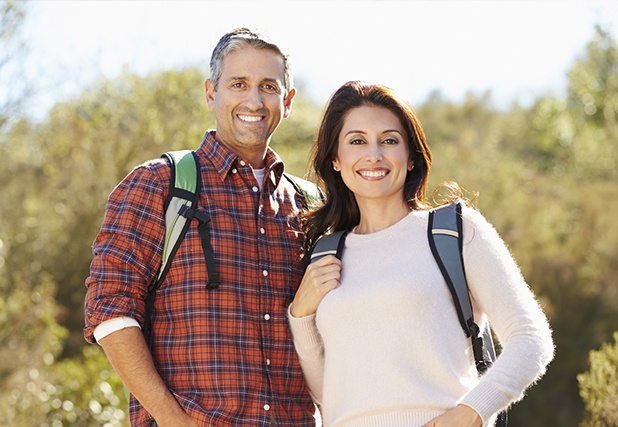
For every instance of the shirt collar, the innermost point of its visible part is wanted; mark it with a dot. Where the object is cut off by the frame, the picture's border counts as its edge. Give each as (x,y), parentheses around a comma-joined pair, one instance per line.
(224,160)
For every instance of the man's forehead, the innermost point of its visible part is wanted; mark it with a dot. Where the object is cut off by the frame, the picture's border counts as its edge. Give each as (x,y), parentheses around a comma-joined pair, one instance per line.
(249,60)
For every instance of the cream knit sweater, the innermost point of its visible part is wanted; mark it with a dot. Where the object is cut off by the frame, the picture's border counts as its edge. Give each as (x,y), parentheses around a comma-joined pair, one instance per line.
(386,348)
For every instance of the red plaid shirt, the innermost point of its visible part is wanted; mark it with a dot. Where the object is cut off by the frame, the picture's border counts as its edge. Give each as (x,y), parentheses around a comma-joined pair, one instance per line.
(226,354)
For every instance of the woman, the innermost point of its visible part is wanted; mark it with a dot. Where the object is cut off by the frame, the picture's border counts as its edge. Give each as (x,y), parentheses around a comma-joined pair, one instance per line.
(377,334)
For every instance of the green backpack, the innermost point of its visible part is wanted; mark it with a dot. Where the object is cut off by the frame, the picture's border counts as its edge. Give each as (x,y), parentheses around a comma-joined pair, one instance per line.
(181,207)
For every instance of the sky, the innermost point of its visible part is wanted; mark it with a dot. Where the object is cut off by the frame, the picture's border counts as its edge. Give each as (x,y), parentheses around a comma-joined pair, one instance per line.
(518,50)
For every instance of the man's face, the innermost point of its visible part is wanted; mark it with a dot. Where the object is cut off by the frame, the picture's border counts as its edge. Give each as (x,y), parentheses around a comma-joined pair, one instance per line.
(249,101)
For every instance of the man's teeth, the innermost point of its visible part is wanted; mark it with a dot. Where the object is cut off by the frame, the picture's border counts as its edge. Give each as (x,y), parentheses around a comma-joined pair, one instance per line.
(250,118)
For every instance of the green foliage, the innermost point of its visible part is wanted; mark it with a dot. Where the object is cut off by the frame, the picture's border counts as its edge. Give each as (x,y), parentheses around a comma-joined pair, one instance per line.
(593,82)
(82,391)
(30,341)
(90,391)
(60,172)
(598,386)
(546,178)
(295,136)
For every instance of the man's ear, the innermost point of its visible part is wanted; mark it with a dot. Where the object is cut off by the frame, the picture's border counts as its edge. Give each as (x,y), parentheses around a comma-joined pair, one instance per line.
(287,103)
(209,88)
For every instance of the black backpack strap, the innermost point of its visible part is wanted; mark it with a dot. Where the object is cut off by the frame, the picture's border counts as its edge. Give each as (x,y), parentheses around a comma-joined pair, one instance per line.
(209,255)
(180,208)
(445,234)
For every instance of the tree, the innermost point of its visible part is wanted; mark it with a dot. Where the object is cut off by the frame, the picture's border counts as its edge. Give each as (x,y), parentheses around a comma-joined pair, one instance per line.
(14,89)
(30,338)
(545,179)
(598,386)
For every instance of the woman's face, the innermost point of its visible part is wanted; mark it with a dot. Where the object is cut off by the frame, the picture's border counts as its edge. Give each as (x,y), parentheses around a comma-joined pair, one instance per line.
(373,154)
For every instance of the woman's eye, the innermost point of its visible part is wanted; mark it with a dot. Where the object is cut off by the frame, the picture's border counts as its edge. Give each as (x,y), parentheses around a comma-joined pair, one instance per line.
(356,141)
(391,141)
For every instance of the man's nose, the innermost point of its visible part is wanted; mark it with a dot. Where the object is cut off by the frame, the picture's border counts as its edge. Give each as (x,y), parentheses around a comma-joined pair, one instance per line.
(254,99)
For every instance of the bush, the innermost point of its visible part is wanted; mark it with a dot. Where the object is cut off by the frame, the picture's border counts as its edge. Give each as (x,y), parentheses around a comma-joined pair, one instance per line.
(598,387)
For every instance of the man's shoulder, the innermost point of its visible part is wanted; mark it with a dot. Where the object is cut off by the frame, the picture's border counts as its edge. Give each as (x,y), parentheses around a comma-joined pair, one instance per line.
(153,172)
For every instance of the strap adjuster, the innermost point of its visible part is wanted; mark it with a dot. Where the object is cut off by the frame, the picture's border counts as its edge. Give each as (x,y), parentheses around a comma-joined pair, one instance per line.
(191,213)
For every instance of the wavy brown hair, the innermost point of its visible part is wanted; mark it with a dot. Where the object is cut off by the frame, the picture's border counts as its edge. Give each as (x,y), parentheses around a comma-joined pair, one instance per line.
(340,210)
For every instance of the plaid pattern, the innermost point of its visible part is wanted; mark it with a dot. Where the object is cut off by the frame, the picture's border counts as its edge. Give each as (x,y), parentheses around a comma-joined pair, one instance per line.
(226,354)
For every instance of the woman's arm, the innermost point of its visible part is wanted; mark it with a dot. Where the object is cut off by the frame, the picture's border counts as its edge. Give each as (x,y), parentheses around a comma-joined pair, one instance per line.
(310,351)
(500,292)
(320,278)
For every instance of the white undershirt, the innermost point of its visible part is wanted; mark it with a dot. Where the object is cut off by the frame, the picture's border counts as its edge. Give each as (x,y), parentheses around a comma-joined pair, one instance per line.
(113,325)
(259,175)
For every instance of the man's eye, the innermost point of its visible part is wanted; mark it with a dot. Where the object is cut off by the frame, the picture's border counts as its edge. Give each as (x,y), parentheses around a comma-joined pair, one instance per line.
(270,88)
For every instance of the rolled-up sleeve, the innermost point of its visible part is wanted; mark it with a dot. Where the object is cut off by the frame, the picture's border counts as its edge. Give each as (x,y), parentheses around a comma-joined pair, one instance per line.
(127,250)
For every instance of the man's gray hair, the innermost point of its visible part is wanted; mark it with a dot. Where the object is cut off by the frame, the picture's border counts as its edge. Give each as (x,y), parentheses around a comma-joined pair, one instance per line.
(243,37)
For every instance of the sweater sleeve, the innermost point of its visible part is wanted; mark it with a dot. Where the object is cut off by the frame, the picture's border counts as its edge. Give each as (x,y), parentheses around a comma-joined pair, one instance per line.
(500,294)
(310,350)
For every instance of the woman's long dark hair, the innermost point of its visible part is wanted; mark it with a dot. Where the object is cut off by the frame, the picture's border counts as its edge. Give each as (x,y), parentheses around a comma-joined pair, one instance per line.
(340,210)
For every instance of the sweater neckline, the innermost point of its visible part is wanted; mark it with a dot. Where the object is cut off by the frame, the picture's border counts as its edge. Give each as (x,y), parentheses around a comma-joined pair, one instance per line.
(414,217)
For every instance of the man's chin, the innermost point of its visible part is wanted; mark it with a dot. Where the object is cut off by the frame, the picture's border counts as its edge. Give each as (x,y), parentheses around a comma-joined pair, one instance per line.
(252,139)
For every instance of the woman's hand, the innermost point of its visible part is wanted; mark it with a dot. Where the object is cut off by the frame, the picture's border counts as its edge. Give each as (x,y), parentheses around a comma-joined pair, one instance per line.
(459,416)
(320,278)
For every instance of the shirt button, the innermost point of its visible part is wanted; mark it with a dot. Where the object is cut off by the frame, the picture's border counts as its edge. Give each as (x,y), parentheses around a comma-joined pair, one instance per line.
(268,362)
(234,170)
(255,189)
(267,316)
(262,230)
(242,163)
(267,407)
(264,273)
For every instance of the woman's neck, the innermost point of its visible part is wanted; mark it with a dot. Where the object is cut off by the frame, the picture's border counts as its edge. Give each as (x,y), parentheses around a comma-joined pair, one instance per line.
(378,216)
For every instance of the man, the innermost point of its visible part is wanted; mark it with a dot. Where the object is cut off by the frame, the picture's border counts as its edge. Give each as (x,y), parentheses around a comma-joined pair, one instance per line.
(224,356)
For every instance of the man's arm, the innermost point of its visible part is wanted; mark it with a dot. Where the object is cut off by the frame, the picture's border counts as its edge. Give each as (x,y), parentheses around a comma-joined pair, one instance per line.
(130,357)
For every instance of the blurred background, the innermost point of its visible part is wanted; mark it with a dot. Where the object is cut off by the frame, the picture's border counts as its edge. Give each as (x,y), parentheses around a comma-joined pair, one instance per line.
(519,101)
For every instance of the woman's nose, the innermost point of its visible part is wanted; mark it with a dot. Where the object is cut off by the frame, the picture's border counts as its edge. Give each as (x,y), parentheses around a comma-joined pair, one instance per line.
(374,152)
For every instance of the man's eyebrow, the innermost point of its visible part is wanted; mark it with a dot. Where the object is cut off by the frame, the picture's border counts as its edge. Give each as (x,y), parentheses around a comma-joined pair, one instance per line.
(273,80)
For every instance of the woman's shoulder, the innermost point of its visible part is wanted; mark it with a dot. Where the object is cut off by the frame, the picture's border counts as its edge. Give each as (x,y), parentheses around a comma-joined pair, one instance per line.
(476,226)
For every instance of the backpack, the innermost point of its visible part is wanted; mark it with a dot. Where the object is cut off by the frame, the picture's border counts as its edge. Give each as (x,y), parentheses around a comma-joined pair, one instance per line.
(444,232)
(181,207)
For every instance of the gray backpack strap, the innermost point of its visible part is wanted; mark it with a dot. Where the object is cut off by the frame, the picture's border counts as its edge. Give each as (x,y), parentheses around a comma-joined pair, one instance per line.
(329,244)
(445,233)
(445,239)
